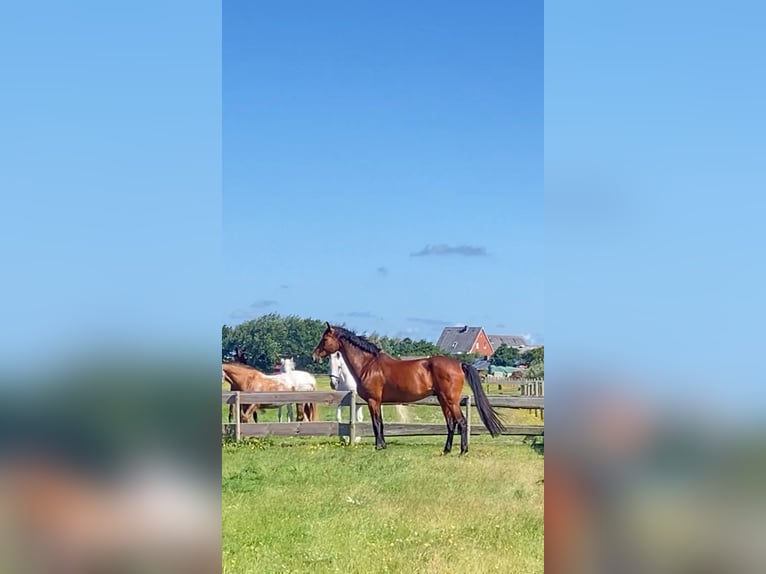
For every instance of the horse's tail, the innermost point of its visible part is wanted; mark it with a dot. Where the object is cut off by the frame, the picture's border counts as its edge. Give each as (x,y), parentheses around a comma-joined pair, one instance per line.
(487,414)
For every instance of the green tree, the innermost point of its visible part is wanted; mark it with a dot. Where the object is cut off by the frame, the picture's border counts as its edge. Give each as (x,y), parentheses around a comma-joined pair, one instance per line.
(505,356)
(272,336)
(425,348)
(536,360)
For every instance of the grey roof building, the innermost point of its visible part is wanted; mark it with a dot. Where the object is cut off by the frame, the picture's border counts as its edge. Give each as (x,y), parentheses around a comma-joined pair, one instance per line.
(459,339)
(513,341)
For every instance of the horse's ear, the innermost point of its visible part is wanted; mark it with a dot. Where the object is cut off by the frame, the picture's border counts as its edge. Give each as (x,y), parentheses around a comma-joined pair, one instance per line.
(329,327)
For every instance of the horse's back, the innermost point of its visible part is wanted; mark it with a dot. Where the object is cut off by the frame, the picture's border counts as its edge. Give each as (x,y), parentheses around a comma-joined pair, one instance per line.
(302,380)
(441,363)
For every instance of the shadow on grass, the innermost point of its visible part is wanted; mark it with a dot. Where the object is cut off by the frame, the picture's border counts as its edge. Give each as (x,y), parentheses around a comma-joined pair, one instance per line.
(536,444)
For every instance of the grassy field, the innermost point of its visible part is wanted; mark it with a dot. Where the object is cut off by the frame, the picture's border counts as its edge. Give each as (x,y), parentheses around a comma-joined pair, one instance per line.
(314,505)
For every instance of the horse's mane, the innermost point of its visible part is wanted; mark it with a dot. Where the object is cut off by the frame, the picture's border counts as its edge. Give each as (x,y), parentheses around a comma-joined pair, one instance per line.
(357,340)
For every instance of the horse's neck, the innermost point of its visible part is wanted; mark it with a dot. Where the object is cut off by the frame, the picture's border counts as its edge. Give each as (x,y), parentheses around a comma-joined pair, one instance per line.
(355,360)
(232,383)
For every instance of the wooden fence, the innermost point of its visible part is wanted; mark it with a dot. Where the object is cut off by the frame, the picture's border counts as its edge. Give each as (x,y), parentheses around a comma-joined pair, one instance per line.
(352,428)
(527,388)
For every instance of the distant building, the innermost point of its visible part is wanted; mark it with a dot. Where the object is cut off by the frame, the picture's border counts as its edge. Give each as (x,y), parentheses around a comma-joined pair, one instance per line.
(512,341)
(462,340)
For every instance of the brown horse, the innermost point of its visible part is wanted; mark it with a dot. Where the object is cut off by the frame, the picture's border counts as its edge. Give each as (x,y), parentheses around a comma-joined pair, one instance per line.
(383,379)
(305,411)
(247,379)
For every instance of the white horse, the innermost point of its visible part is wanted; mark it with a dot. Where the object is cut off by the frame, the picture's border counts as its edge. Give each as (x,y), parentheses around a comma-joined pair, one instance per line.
(300,381)
(342,380)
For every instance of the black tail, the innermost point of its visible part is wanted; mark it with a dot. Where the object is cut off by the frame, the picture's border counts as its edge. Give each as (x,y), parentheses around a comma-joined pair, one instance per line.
(488,415)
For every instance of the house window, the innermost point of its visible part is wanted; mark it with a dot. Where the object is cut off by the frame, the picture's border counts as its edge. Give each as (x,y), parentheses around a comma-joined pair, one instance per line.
(454,344)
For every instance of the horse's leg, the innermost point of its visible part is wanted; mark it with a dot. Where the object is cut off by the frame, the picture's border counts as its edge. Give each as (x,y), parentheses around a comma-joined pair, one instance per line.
(377,423)
(450,420)
(462,426)
(247,412)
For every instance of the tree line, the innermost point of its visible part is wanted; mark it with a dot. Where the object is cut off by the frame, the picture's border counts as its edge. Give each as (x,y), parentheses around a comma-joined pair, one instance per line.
(509,357)
(268,338)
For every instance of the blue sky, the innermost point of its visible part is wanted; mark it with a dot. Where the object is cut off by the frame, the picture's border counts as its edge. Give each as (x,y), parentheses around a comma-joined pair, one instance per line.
(382,164)
(654,121)
(111,178)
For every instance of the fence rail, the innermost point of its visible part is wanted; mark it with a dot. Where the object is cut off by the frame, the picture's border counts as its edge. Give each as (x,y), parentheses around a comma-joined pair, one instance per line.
(527,388)
(352,428)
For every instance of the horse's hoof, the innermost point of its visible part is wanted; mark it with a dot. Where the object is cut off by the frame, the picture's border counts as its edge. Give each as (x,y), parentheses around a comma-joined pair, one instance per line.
(380,447)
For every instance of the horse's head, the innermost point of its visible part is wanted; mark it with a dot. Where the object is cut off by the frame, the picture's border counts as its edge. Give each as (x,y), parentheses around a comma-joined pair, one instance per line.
(287,365)
(335,369)
(328,344)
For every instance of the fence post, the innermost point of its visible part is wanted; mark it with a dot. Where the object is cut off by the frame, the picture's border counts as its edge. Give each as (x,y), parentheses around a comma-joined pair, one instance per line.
(524,391)
(352,420)
(468,419)
(237,429)
(539,393)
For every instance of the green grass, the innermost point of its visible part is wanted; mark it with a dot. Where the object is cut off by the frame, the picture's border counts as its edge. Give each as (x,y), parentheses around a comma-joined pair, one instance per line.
(314,505)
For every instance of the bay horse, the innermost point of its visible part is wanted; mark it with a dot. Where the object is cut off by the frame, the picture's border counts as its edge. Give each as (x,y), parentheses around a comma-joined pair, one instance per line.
(341,379)
(383,379)
(247,379)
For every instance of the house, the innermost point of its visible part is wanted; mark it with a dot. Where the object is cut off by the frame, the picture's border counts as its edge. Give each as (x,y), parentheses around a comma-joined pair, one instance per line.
(461,340)
(512,341)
